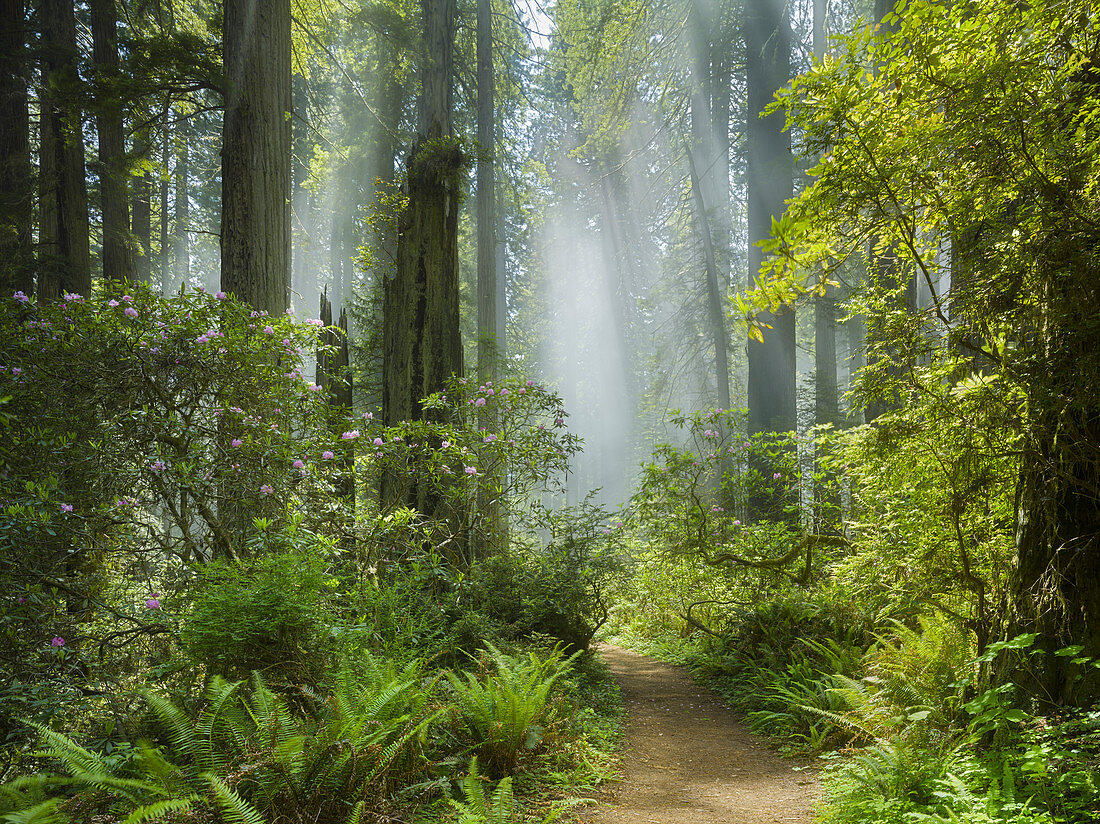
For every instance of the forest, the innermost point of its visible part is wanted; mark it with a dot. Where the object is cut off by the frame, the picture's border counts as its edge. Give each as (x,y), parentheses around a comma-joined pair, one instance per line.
(391,391)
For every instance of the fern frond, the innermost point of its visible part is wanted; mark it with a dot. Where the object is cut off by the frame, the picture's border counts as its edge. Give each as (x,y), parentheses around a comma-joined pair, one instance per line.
(159,809)
(181,732)
(68,752)
(356,816)
(235,809)
(502,806)
(44,812)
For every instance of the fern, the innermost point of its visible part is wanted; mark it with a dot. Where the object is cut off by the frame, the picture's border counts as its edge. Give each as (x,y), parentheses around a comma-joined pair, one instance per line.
(44,812)
(502,712)
(160,809)
(235,809)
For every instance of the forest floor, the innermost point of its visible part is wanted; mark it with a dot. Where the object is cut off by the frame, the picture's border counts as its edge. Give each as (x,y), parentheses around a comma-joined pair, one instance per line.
(688,760)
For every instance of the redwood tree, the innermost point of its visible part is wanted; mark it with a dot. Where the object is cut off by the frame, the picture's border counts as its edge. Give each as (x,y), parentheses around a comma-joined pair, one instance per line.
(256,140)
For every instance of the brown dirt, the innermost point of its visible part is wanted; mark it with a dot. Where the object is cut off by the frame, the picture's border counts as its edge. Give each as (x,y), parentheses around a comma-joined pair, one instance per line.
(688,760)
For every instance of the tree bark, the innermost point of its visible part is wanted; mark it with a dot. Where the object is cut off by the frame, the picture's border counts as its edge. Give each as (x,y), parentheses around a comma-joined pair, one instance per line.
(770,172)
(488,347)
(826,409)
(117,258)
(181,244)
(16,177)
(141,212)
(256,142)
(704,189)
(422,346)
(63,198)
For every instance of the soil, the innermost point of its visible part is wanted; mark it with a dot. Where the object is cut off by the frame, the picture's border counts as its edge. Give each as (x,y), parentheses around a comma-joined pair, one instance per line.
(688,760)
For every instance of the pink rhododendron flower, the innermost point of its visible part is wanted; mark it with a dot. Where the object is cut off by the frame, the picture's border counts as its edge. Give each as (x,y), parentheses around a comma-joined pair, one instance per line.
(236,442)
(57,641)
(471,470)
(131,312)
(157,465)
(152,603)
(266,490)
(19,296)
(479,402)
(128,298)
(112,303)
(66,507)
(350,435)
(298,465)
(220,295)
(327,455)
(377,441)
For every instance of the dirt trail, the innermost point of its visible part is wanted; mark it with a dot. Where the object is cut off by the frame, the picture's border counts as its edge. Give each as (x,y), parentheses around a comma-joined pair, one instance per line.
(689,760)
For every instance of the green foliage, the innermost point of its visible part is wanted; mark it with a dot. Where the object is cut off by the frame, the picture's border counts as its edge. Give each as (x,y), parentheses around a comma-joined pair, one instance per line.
(247,755)
(497,808)
(560,590)
(266,613)
(142,436)
(503,710)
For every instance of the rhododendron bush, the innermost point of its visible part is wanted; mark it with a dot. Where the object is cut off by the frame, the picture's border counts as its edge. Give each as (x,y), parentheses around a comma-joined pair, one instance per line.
(146,437)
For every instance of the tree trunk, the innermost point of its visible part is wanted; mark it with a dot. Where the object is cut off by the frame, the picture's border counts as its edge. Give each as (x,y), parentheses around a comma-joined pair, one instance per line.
(770,172)
(63,236)
(826,409)
(180,233)
(165,249)
(886,267)
(16,178)
(334,377)
(422,346)
(141,212)
(704,189)
(488,347)
(256,142)
(1056,585)
(117,259)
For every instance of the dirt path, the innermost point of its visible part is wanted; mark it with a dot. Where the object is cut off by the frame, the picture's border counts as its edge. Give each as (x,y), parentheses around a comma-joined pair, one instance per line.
(689,760)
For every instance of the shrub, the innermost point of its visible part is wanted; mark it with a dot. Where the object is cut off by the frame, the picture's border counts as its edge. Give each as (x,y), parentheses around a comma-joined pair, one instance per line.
(503,710)
(265,613)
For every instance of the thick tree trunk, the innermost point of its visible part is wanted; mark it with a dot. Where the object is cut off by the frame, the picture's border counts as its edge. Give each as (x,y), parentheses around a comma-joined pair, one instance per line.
(488,347)
(117,258)
(63,198)
(422,346)
(255,230)
(16,179)
(1056,583)
(826,410)
(887,269)
(770,172)
(705,188)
